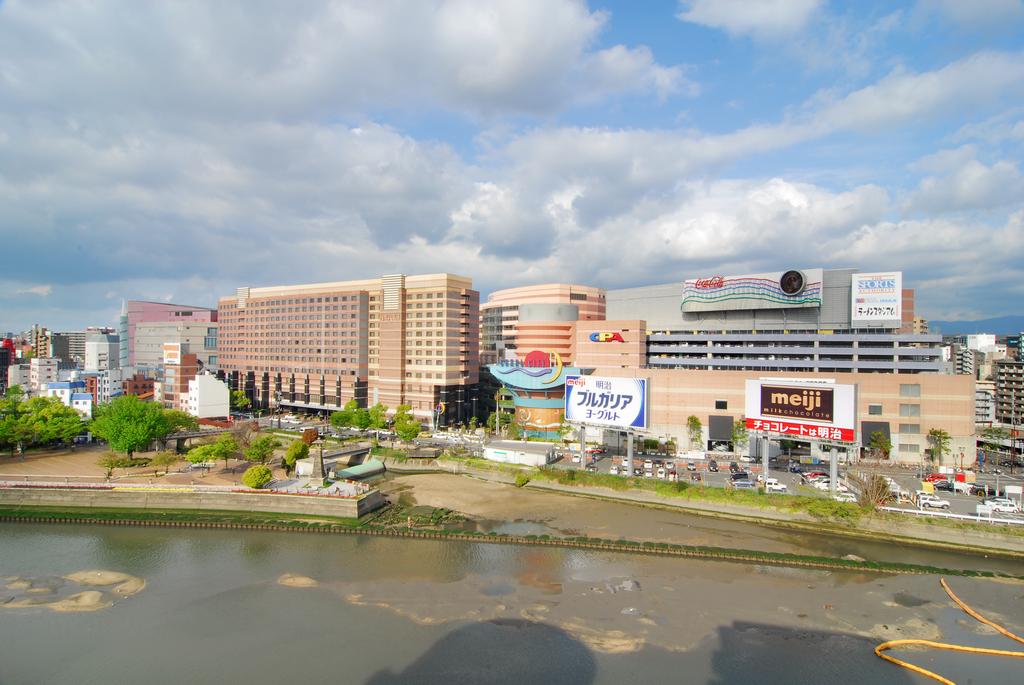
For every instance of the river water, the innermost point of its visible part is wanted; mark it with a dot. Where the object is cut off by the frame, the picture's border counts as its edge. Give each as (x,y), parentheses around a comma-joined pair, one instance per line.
(388,611)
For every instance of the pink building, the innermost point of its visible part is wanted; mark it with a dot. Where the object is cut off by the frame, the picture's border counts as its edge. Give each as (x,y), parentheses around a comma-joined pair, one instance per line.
(134,312)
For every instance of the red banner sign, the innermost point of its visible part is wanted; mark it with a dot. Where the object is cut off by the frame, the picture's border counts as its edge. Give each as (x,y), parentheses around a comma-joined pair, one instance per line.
(801,430)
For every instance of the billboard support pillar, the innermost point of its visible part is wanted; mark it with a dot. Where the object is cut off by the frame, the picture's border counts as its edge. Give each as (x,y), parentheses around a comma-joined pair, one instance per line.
(764,460)
(833,471)
(583,444)
(629,454)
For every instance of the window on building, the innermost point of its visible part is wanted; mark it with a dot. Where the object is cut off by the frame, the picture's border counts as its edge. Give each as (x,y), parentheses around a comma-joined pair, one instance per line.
(721,404)
(910,390)
(910,410)
(910,429)
(875,409)
(909,448)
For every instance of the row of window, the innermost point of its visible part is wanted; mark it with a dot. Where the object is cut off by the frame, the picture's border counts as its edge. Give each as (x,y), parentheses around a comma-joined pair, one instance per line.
(906,410)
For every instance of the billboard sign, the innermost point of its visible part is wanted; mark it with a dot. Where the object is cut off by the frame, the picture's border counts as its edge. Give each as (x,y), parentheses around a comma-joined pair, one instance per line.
(604,336)
(172,353)
(776,290)
(812,410)
(877,298)
(606,401)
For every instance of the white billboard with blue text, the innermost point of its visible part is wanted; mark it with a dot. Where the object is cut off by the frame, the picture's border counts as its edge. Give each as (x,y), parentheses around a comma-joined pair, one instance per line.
(606,401)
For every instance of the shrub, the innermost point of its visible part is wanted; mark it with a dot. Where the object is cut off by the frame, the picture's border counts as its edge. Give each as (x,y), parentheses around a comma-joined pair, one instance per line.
(256,477)
(522,479)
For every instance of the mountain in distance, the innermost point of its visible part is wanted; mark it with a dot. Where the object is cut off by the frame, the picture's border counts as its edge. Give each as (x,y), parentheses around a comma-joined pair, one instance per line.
(1000,325)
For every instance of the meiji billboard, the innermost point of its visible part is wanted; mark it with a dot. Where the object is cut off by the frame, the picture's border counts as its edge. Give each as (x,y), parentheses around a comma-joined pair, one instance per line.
(597,400)
(777,290)
(821,411)
(877,298)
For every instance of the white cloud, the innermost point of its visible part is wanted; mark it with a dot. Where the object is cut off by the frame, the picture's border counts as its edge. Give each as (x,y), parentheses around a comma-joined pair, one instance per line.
(771,19)
(975,13)
(970,186)
(236,59)
(40,290)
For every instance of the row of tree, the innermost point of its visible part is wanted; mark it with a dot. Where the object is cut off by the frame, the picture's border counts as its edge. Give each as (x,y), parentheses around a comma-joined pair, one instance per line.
(405,425)
(28,422)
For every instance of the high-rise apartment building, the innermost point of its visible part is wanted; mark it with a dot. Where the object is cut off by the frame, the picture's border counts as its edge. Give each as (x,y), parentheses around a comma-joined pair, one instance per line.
(134,312)
(396,339)
(1009,392)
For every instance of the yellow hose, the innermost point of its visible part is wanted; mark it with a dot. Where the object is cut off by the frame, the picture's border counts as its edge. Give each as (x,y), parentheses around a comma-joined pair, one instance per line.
(950,647)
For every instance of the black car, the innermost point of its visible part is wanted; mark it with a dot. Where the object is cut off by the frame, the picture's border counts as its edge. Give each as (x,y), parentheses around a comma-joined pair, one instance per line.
(733,467)
(713,466)
(979,490)
(943,485)
(740,475)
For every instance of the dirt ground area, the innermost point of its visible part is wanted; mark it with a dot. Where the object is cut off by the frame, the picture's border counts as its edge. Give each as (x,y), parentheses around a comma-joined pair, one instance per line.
(569,515)
(80,465)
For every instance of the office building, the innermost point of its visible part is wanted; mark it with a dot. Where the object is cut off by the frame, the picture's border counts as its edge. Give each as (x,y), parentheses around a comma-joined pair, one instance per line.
(207,397)
(72,394)
(811,320)
(41,371)
(134,312)
(179,367)
(198,338)
(1009,392)
(102,351)
(395,339)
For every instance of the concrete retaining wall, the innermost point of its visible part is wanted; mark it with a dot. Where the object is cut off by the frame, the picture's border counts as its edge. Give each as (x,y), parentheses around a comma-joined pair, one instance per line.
(281,504)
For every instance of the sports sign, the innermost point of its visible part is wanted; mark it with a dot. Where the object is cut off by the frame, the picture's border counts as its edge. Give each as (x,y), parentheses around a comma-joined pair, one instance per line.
(604,401)
(814,410)
(876,298)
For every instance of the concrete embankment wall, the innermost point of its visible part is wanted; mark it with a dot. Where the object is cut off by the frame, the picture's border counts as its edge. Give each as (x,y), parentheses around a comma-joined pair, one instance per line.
(281,504)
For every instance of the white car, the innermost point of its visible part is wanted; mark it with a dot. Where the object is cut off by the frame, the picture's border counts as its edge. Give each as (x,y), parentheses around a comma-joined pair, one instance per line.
(845,497)
(1004,505)
(926,499)
(821,484)
(614,470)
(773,485)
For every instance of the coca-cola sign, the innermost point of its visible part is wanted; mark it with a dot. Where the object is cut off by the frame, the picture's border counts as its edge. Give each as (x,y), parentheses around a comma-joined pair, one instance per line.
(710,283)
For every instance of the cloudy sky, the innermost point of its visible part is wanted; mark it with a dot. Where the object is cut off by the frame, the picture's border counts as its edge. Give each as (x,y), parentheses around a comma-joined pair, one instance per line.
(177,150)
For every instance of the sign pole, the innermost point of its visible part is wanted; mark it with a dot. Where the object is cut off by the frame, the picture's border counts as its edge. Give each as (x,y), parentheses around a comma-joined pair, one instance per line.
(629,454)
(833,471)
(583,444)
(764,460)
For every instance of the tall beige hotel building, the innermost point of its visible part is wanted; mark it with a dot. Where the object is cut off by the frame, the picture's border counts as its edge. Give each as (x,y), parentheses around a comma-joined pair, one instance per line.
(396,339)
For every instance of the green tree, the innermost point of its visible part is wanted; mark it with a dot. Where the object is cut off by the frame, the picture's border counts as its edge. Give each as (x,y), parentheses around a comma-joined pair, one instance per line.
(225,447)
(407,426)
(346,417)
(52,420)
(378,414)
(109,461)
(128,424)
(239,401)
(740,435)
(262,449)
(940,443)
(180,422)
(257,476)
(202,454)
(296,451)
(473,423)
(880,445)
(163,460)
(36,420)
(695,429)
